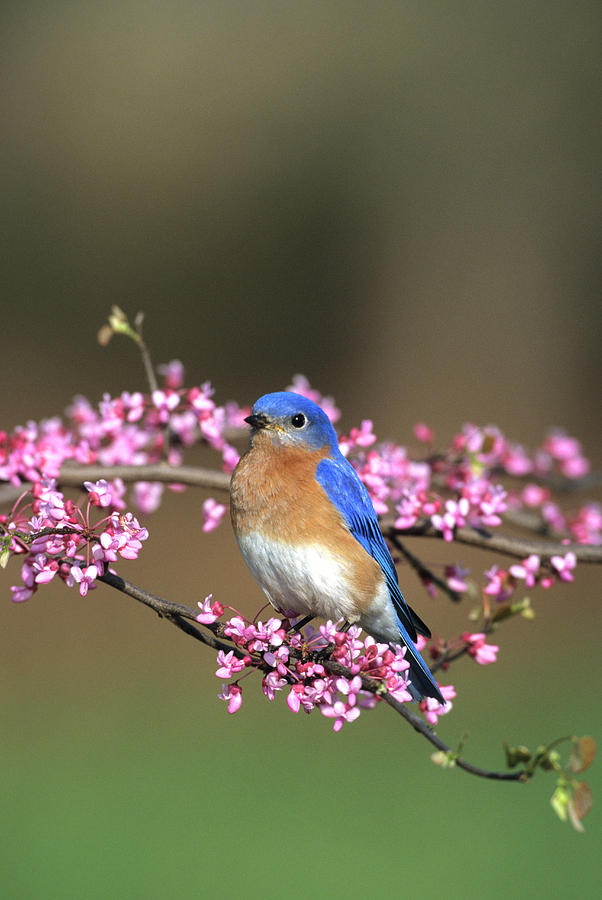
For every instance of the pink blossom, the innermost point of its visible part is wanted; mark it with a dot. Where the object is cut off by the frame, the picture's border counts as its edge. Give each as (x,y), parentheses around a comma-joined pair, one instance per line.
(576,467)
(172,373)
(44,569)
(237,629)
(423,433)
(453,517)
(200,400)
(277,659)
(528,570)
(212,429)
(499,584)
(210,612)
(293,701)
(232,695)
(534,495)
(50,503)
(564,565)
(349,688)
(100,492)
(491,504)
(454,576)
(310,669)
(111,544)
(516,460)
(20,593)
(320,691)
(185,425)
(560,446)
(133,405)
(230,457)
(329,631)
(271,683)
(85,578)
(341,712)
(373,472)
(112,415)
(124,535)
(409,509)
(480,651)
(432,709)
(165,402)
(147,495)
(358,437)
(229,664)
(586,524)
(266,636)
(553,516)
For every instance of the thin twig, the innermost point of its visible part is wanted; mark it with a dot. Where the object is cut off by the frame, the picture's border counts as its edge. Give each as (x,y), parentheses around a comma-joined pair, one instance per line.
(145,354)
(174,612)
(423,571)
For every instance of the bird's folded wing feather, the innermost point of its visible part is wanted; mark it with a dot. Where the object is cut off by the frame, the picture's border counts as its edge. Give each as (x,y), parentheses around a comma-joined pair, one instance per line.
(344,488)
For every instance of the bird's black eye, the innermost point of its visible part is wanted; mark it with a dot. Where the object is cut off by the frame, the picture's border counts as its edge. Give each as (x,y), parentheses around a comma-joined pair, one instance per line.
(298,420)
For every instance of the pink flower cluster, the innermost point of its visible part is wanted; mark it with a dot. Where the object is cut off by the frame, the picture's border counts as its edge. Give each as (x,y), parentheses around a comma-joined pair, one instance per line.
(446,491)
(63,539)
(131,429)
(502,584)
(291,663)
(468,470)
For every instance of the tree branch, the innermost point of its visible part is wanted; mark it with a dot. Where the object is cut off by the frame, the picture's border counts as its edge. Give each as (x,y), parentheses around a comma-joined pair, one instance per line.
(499,542)
(192,476)
(180,616)
(423,570)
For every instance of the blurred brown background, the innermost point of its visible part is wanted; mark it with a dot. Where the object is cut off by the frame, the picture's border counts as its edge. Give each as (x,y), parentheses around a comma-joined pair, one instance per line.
(400,200)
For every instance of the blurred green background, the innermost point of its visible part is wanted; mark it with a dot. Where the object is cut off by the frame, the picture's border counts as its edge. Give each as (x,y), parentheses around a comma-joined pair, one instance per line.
(400,200)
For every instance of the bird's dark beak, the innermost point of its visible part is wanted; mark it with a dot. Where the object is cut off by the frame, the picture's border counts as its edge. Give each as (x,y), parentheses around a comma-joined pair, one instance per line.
(257,420)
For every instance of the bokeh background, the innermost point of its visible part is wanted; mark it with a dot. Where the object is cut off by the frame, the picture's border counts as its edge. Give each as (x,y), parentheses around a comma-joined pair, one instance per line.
(401,200)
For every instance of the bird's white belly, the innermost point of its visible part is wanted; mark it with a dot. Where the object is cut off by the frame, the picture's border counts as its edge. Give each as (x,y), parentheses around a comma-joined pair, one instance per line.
(304,579)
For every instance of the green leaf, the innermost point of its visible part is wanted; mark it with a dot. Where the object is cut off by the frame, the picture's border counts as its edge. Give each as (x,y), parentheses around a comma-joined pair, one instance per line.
(560,802)
(4,556)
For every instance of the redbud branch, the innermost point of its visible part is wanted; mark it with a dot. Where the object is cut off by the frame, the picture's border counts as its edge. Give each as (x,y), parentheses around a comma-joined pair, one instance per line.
(450,655)
(558,483)
(501,543)
(179,615)
(423,571)
(195,476)
(173,612)
(192,476)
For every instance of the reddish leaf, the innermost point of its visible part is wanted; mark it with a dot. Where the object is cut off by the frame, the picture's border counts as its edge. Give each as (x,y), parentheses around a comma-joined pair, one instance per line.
(582,754)
(579,805)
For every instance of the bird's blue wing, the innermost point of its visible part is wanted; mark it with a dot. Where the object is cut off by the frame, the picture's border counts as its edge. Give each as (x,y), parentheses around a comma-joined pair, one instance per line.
(344,488)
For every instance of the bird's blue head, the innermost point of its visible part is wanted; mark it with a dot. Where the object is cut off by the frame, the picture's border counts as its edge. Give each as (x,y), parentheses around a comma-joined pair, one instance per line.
(293,420)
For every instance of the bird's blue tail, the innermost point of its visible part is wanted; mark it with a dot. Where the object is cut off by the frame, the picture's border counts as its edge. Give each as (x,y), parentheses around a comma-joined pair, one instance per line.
(422,684)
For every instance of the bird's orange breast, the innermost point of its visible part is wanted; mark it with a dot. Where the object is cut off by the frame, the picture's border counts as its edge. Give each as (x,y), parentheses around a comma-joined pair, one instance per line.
(274,493)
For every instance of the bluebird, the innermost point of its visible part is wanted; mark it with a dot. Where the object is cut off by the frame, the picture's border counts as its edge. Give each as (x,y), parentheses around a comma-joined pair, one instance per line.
(309,534)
